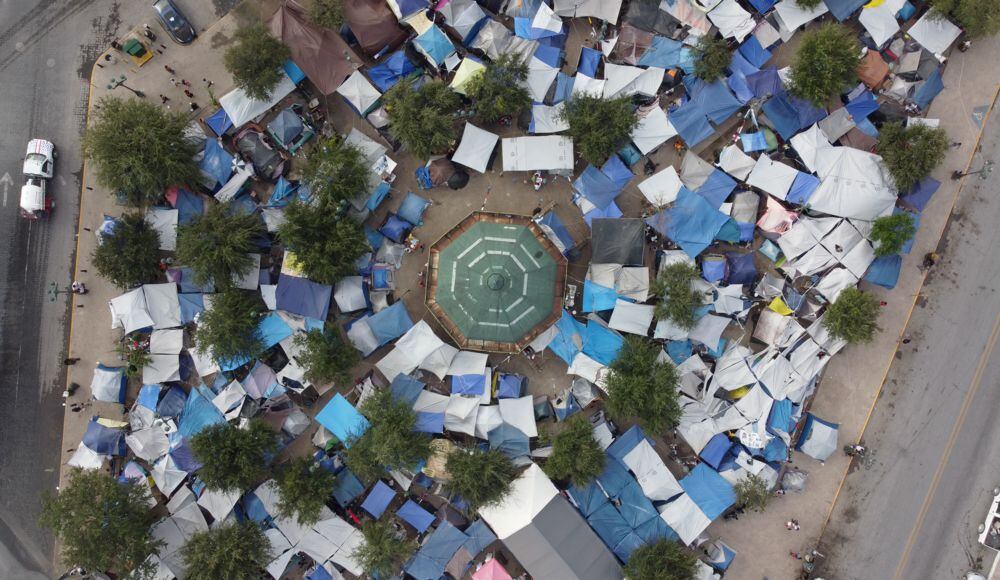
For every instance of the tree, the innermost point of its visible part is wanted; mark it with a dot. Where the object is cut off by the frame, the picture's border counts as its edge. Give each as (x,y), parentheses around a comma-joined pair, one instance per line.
(711,58)
(422,118)
(890,233)
(233,551)
(255,61)
(303,487)
(911,153)
(139,149)
(134,350)
(102,524)
(678,299)
(233,458)
(325,246)
(599,127)
(808,4)
(482,478)
(576,455)
(229,330)
(752,493)
(853,317)
(326,356)
(661,560)
(639,386)
(977,17)
(327,13)
(390,441)
(384,551)
(498,91)
(336,171)
(826,62)
(217,244)
(128,255)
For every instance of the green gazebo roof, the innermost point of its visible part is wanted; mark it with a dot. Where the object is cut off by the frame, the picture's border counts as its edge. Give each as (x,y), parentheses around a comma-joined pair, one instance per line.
(495,282)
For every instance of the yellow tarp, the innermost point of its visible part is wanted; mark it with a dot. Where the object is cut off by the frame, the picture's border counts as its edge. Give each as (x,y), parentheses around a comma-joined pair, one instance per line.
(778,305)
(464,73)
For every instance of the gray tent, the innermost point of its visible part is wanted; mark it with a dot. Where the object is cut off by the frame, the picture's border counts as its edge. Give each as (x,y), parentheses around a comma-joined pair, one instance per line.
(618,241)
(287,126)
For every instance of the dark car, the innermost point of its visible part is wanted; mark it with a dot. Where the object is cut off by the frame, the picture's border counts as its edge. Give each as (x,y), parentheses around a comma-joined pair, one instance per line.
(174,22)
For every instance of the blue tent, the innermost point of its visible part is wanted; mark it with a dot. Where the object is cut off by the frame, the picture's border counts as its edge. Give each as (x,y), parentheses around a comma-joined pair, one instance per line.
(569,334)
(199,412)
(929,89)
(714,99)
(612,528)
(556,232)
(842,9)
(405,389)
(741,268)
(679,350)
(172,402)
(346,488)
(779,420)
(802,188)
(612,212)
(282,194)
(590,59)
(765,83)
(738,84)
(597,298)
(717,188)
(763,6)
(184,458)
(588,499)
(509,386)
(104,440)
(394,228)
(565,406)
(412,209)
(601,343)
(625,443)
(468,384)
(884,271)
(255,510)
(189,206)
(564,88)
(862,105)
(191,306)
(303,297)
(149,395)
(341,418)
(295,74)
(523,29)
(789,115)
(617,171)
(430,561)
(550,50)
(691,124)
(273,330)
(394,68)
(217,163)
(598,188)
(693,223)
(755,54)
(378,195)
(708,490)
(655,529)
(921,194)
(390,323)
(510,440)
(411,513)
(378,499)
(480,537)
(435,45)
(219,122)
(663,52)
(713,268)
(715,450)
(756,141)
(429,422)
(818,438)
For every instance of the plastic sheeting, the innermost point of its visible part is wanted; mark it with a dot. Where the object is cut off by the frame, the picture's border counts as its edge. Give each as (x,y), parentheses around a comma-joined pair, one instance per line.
(341,418)
(476,148)
(854,184)
(303,297)
(653,130)
(732,20)
(934,33)
(430,561)
(108,384)
(692,223)
(661,188)
(550,152)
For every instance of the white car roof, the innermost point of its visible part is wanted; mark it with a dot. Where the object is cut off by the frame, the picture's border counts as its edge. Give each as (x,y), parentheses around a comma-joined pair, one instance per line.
(40,146)
(32,197)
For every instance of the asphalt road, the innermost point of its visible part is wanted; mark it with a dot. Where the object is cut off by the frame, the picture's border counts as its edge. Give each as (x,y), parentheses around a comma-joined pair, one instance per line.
(47,49)
(912,509)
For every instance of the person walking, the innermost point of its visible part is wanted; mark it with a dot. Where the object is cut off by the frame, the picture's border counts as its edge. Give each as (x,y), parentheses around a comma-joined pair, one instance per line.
(185,83)
(193,106)
(173,81)
(169,70)
(164,99)
(188,94)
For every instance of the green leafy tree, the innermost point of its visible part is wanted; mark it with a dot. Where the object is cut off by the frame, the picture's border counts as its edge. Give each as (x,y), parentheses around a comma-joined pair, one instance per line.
(711,58)
(576,455)
(134,351)
(678,299)
(232,551)
(825,63)
(599,127)
(639,386)
(808,4)
(384,551)
(327,13)
(482,478)
(853,317)
(390,441)
(303,486)
(229,330)
(977,17)
(422,118)
(498,91)
(217,245)
(336,171)
(233,458)
(662,560)
(101,524)
(129,255)
(911,153)
(890,233)
(139,149)
(752,493)
(325,246)
(326,356)
(255,61)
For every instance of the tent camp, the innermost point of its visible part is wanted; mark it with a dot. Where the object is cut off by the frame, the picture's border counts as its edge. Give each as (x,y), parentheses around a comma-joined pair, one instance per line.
(854,184)
(476,148)
(374,25)
(618,241)
(320,52)
(242,109)
(359,93)
(706,496)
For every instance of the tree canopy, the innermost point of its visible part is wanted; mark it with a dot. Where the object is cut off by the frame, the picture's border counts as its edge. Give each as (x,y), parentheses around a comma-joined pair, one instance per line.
(661,560)
(325,246)
(384,551)
(336,171)
(139,149)
(599,127)
(129,255)
(976,17)
(890,233)
(825,63)
(808,4)
(229,330)
(711,58)
(639,386)
(482,478)
(911,153)
(255,60)
(102,524)
(327,13)
(498,91)
(217,244)
(576,457)
(233,458)
(853,317)
(233,551)
(303,488)
(390,441)
(678,299)
(326,356)
(422,118)
(752,493)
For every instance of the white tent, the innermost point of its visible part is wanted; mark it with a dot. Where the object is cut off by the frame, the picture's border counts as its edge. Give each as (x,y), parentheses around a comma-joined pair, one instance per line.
(686,12)
(632,318)
(164,221)
(85,458)
(695,170)
(161,368)
(203,362)
(148,444)
(933,33)
(810,145)
(428,402)
(129,311)
(546,19)
(546,119)
(653,130)
(167,475)
(227,192)
(439,361)
(463,16)
(487,419)
(837,124)
(633,282)
(218,503)
(606,10)
(735,162)
(240,108)
(880,19)
(684,517)
(362,337)
(468,68)
(460,416)
(529,494)
(229,401)
(854,185)
(251,280)
(107,384)
(791,16)
(476,147)
(168,341)
(661,188)
(835,282)
(584,85)
(540,77)
(771,176)
(359,92)
(733,21)
(652,474)
(588,368)
(549,152)
(624,80)
(731,370)
(349,294)
(520,413)
(396,362)
(163,306)
(709,330)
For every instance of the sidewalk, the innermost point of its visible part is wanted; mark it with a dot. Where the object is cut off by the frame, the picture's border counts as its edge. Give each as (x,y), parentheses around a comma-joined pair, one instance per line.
(853,380)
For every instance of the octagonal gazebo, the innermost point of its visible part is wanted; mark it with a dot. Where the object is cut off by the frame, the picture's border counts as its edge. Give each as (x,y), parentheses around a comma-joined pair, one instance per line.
(495,282)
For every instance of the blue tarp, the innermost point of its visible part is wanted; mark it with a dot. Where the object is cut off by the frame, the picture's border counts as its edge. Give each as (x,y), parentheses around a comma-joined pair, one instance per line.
(480,537)
(468,384)
(219,122)
(550,50)
(679,350)
(172,402)
(790,115)
(104,440)
(714,99)
(390,323)
(412,209)
(739,65)
(601,343)
(693,223)
(598,188)
(715,450)
(293,71)
(634,506)
(395,228)
(509,386)
(273,330)
(751,142)
(862,105)
(741,268)
(765,83)
(217,163)
(396,67)
(303,297)
(378,499)
(908,244)
(738,84)
(884,271)
(435,43)
(590,59)
(802,188)
(755,54)
(713,270)
(763,6)
(379,194)
(341,418)
(282,194)
(930,88)
(655,529)
(921,194)
(411,513)
(189,206)
(597,298)
(510,440)
(429,422)
(866,127)
(346,488)
(565,407)
(691,124)
(617,171)
(624,443)
(610,212)
(564,88)
(611,527)
(664,53)
(523,29)
(254,509)
(199,412)
(405,389)
(553,227)
(708,490)
(717,188)
(842,9)
(588,499)
(184,458)
(432,558)
(779,420)
(149,395)
(569,335)
(191,306)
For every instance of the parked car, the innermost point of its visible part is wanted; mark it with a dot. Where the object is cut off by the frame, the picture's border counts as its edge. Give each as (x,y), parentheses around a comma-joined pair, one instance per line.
(34,201)
(174,21)
(39,161)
